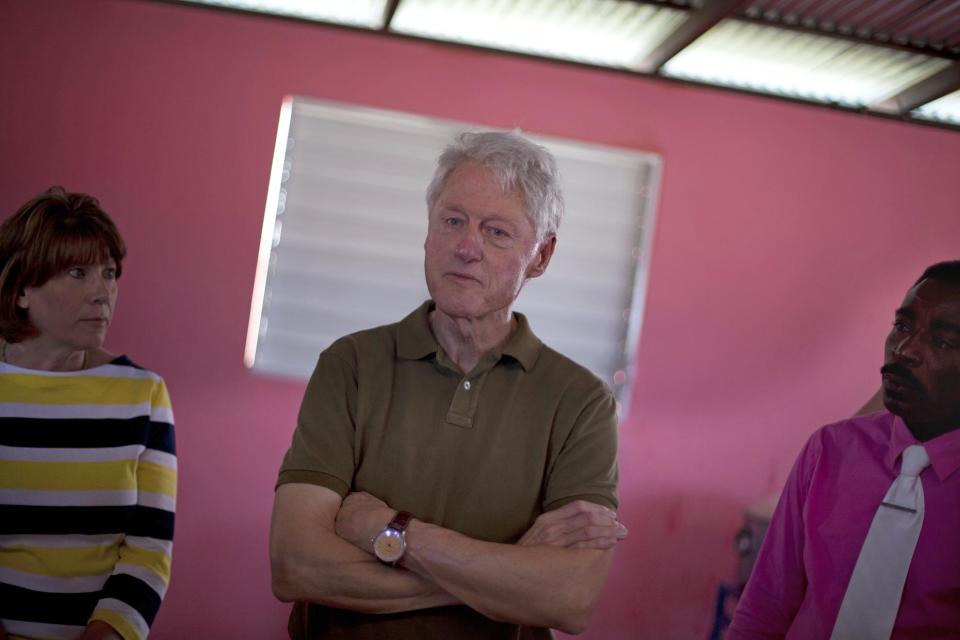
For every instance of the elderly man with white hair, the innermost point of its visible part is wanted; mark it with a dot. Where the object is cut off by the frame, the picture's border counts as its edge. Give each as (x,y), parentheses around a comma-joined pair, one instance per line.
(451,476)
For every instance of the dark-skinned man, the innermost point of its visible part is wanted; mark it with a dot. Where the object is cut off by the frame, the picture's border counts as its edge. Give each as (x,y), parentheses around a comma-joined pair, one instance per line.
(865,542)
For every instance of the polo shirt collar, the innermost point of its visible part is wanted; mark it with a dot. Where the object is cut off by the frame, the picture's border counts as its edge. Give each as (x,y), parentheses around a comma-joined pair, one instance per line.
(943,451)
(523,346)
(415,340)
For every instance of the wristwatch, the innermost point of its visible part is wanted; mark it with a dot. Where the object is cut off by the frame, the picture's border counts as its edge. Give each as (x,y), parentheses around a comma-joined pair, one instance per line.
(390,544)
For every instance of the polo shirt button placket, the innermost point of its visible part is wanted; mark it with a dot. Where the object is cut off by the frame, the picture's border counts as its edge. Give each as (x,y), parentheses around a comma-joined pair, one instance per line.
(466,385)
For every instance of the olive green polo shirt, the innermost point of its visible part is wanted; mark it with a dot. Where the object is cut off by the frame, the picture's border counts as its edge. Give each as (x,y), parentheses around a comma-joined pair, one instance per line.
(484,453)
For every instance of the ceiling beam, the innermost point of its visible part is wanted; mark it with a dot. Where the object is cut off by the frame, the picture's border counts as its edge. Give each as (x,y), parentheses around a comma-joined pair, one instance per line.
(672,4)
(927,90)
(389,11)
(698,22)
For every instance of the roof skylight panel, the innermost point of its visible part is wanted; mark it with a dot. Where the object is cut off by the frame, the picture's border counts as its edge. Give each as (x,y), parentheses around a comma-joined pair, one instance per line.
(355,13)
(612,33)
(945,109)
(799,65)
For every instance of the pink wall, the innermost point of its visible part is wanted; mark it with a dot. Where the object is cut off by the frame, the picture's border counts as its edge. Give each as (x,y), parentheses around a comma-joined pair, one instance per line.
(785,236)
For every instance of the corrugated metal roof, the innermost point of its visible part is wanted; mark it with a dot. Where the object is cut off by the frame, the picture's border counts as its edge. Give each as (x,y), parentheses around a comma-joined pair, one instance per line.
(930,27)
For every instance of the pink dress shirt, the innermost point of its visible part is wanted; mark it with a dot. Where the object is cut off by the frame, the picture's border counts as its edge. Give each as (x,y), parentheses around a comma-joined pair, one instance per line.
(821,522)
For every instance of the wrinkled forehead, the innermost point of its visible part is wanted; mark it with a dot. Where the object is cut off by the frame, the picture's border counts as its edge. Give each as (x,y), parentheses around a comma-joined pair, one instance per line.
(939,298)
(475,182)
(478,175)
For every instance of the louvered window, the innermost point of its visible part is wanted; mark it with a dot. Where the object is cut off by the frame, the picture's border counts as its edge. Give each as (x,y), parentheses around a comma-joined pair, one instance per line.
(345,221)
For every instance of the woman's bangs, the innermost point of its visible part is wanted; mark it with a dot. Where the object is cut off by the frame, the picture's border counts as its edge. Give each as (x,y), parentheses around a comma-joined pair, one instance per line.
(80,248)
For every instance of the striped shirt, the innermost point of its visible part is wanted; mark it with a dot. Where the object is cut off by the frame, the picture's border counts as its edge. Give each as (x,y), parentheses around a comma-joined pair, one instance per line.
(88,481)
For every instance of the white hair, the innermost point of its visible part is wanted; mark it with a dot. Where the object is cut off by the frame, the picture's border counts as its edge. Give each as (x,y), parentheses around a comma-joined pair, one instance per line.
(515,162)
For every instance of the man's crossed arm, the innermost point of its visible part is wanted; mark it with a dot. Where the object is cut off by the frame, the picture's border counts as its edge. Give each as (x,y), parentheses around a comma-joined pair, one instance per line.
(320,549)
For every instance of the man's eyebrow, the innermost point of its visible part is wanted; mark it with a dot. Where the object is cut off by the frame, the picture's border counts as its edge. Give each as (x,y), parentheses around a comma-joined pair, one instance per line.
(906,312)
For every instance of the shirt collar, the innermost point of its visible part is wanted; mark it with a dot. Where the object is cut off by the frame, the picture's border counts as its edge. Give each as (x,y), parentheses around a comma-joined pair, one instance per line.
(415,340)
(943,451)
(523,346)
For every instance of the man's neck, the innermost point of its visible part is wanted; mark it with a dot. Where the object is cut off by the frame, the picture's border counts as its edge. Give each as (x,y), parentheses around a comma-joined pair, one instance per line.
(467,340)
(928,431)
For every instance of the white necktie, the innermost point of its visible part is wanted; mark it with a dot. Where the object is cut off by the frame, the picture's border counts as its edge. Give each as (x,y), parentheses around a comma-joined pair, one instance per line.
(872,600)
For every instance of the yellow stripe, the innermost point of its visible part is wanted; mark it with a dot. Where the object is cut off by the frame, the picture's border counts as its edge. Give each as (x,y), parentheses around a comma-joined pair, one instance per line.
(34,389)
(156,478)
(67,562)
(155,561)
(67,476)
(161,397)
(120,624)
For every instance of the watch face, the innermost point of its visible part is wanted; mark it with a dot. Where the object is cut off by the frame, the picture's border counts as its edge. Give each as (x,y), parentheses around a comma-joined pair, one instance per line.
(389,545)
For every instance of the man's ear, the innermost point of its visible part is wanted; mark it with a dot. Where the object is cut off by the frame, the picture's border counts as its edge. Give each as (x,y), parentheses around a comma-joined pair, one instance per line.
(544,252)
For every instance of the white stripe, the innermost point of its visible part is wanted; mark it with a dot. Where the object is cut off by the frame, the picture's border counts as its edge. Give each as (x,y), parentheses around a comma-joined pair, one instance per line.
(103,498)
(162,458)
(74,411)
(123,371)
(41,630)
(162,414)
(66,541)
(155,582)
(151,544)
(52,584)
(132,615)
(157,501)
(100,454)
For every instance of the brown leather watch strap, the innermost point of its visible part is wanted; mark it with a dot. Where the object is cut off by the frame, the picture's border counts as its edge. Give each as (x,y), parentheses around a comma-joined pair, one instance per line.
(401,520)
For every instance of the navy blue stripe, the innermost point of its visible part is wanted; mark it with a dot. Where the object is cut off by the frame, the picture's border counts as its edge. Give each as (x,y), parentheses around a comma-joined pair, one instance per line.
(86,433)
(133,520)
(135,592)
(28,605)
(161,437)
(124,361)
(152,523)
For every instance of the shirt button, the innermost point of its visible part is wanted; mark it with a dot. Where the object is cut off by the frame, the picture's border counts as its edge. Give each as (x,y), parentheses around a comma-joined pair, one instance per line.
(466,385)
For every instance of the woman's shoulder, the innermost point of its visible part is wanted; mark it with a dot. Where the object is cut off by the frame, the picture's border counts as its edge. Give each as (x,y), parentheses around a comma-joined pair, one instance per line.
(101,358)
